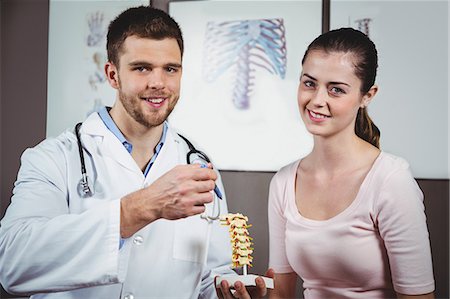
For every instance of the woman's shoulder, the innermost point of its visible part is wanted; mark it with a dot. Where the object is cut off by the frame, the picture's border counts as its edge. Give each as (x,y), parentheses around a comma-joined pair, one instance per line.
(392,162)
(284,175)
(392,172)
(288,169)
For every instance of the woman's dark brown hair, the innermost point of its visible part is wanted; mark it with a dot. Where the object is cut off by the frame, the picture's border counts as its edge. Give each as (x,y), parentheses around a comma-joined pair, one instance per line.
(366,64)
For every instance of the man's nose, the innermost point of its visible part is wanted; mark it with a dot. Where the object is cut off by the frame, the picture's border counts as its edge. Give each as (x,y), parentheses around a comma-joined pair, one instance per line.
(156,79)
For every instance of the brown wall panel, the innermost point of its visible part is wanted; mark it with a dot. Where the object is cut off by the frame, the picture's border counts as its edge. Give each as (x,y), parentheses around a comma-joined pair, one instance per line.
(436,199)
(23,94)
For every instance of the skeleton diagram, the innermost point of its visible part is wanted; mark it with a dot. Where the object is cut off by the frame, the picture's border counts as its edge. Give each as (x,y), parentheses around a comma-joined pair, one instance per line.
(244,46)
(363,25)
(95,41)
(97,29)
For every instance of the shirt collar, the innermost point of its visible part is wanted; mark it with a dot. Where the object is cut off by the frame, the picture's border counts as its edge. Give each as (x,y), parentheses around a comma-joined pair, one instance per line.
(111,125)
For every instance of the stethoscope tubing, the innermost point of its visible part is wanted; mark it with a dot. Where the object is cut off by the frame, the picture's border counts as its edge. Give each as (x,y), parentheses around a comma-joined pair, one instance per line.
(85,190)
(80,149)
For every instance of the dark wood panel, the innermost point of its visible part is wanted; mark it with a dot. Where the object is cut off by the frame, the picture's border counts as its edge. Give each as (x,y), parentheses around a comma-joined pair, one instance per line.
(436,199)
(23,92)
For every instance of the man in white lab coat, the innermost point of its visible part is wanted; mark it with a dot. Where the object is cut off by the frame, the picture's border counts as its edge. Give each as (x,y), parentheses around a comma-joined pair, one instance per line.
(135,230)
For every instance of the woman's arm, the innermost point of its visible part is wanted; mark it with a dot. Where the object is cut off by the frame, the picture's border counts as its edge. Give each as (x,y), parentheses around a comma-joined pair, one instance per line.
(284,286)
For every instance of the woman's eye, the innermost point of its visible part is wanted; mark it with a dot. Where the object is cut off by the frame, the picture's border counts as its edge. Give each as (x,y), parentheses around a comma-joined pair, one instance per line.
(337,90)
(308,83)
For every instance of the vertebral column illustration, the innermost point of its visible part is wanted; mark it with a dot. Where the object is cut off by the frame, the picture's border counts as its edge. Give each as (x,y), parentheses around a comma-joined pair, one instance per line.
(244,46)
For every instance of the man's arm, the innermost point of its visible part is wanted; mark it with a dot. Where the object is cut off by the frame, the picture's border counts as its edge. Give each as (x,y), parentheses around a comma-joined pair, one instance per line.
(181,192)
(42,246)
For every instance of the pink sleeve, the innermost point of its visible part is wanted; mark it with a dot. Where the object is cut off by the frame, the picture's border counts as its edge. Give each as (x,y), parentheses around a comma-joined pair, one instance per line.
(402,224)
(277,224)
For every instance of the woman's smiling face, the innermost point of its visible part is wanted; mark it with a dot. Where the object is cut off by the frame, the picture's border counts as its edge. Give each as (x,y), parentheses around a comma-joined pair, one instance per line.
(329,93)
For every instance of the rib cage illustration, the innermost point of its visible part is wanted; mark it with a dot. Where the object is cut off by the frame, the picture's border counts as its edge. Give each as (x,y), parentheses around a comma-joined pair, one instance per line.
(244,46)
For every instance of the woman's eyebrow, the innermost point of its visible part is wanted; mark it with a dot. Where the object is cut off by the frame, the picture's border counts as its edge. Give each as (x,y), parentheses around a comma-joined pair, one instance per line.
(332,82)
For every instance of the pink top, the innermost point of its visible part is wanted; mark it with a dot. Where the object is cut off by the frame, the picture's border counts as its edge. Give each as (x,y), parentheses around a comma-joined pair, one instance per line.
(376,245)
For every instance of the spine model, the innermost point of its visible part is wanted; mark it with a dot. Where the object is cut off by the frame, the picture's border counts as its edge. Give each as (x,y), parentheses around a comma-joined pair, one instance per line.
(240,240)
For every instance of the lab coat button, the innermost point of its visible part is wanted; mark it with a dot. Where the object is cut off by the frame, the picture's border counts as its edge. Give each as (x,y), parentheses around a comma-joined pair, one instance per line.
(129,296)
(138,240)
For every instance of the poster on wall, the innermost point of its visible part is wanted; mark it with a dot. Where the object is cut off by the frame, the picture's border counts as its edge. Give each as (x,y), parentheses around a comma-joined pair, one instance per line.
(412,77)
(241,70)
(77,85)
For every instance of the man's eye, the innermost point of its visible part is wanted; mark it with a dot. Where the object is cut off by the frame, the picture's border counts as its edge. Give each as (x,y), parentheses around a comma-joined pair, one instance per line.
(141,69)
(171,69)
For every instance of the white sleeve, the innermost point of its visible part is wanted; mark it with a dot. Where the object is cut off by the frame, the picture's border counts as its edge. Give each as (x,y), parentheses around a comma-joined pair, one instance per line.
(219,252)
(44,248)
(402,224)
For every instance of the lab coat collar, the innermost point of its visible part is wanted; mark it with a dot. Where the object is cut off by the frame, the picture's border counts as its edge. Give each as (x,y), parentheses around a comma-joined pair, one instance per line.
(107,144)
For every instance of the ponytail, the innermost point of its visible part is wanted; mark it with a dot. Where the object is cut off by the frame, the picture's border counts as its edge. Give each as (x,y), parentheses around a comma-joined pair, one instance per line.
(366,129)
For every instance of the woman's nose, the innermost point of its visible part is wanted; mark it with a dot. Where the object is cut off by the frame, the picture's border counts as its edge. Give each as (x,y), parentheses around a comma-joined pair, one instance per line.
(319,97)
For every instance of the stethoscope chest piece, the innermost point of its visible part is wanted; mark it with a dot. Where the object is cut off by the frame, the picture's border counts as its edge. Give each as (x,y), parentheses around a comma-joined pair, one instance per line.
(83,188)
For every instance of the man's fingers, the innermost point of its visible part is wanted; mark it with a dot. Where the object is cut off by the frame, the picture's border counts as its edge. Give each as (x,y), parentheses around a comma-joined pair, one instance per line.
(201,174)
(204,186)
(197,210)
(201,199)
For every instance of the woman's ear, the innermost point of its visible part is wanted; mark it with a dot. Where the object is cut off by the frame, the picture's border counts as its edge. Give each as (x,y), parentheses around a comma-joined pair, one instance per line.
(367,98)
(112,75)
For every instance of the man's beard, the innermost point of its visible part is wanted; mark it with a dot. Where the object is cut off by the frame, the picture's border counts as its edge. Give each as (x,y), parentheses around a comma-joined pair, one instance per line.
(132,106)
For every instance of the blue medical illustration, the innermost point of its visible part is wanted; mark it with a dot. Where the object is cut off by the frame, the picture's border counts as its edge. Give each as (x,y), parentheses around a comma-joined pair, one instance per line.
(97,29)
(363,25)
(244,46)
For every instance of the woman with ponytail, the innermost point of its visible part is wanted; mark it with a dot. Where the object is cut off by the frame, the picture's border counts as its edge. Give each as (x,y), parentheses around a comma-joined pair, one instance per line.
(348,218)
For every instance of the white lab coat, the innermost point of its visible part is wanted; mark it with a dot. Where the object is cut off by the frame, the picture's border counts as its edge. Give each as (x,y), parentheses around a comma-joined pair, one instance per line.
(51,240)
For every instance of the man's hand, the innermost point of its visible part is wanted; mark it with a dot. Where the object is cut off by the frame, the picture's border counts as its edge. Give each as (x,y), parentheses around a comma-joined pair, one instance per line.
(181,192)
(240,291)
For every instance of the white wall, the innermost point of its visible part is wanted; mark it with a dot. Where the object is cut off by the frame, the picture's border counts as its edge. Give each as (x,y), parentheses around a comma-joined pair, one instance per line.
(411,108)
(70,96)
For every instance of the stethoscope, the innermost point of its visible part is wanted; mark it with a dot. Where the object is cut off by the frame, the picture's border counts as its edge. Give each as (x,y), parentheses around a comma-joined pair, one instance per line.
(193,156)
(83,185)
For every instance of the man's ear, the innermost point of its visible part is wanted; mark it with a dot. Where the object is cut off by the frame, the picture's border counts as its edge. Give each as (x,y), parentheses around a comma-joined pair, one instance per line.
(367,98)
(112,75)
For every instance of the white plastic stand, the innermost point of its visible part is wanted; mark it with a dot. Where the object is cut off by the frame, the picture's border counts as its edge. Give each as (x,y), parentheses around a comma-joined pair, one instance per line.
(247,280)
